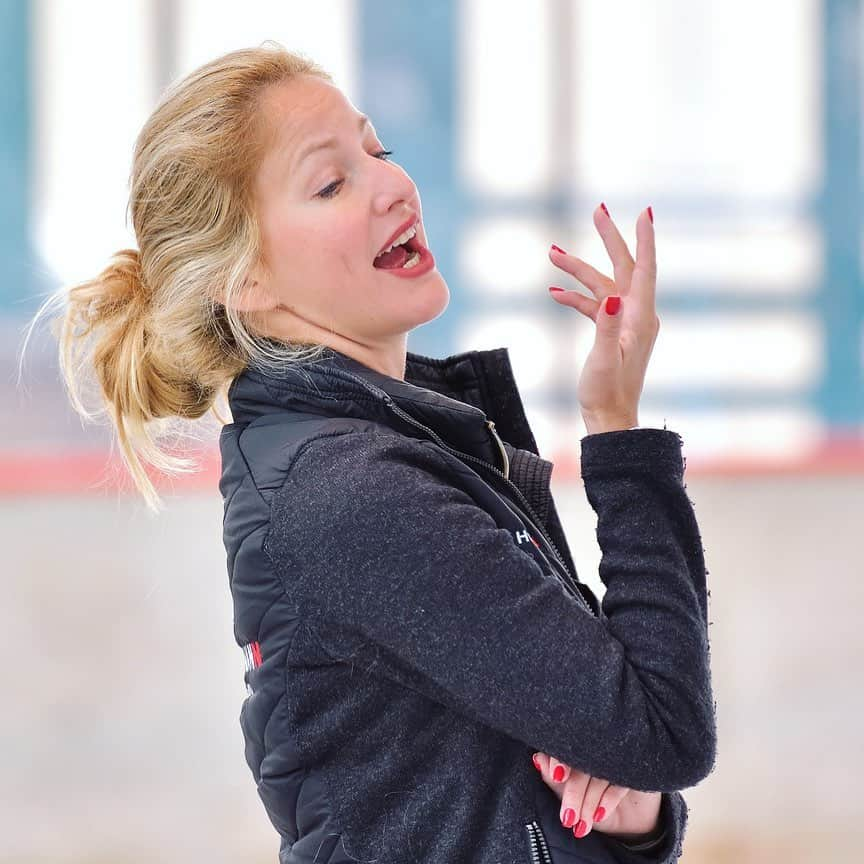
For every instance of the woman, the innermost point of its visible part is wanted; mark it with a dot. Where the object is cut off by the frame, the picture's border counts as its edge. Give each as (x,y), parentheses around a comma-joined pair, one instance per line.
(416,639)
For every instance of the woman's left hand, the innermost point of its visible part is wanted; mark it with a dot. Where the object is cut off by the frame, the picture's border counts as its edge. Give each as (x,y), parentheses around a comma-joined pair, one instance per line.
(629,813)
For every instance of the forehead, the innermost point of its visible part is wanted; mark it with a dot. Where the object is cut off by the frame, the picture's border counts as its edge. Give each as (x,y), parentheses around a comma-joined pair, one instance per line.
(305,109)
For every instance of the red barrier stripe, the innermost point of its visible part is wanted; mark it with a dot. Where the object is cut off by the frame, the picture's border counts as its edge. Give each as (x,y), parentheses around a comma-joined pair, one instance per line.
(97,472)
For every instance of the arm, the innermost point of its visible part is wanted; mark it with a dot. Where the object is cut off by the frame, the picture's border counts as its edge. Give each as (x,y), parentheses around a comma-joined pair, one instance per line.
(375,539)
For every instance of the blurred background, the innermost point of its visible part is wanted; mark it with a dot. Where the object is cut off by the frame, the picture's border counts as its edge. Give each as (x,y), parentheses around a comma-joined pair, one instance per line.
(738,122)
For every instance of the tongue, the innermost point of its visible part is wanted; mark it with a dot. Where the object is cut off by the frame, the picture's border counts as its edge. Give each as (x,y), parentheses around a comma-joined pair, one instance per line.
(396,257)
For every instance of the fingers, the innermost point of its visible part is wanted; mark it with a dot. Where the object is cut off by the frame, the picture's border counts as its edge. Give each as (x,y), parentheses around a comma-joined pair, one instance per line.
(579,804)
(581,794)
(610,799)
(557,771)
(588,307)
(638,277)
(644,281)
(592,279)
(607,337)
(541,763)
(619,254)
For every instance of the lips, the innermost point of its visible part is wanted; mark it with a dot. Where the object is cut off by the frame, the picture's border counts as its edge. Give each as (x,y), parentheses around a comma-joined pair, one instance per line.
(413,220)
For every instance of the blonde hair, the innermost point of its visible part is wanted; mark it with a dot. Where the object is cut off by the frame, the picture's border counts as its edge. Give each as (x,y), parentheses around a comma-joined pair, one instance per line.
(150,325)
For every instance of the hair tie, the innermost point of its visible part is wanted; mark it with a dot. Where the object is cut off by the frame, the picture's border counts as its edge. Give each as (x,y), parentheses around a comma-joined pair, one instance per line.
(128,275)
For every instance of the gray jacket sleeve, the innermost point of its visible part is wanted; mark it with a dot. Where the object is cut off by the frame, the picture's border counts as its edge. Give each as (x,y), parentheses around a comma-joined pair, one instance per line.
(373,535)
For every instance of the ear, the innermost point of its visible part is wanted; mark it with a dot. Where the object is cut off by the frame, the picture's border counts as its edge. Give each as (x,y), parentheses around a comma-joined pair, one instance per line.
(253,296)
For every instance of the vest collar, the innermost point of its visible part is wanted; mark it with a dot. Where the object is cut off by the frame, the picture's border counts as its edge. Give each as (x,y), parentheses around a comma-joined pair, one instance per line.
(454,396)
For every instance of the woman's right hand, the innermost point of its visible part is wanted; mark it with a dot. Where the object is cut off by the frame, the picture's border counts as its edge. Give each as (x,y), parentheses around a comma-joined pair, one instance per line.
(614,372)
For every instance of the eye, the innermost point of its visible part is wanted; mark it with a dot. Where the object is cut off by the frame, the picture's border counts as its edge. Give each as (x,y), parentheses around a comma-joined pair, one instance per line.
(331,189)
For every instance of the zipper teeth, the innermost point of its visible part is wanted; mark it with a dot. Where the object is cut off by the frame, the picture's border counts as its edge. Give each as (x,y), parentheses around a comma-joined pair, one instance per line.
(532,843)
(505,475)
(539,849)
(571,586)
(547,858)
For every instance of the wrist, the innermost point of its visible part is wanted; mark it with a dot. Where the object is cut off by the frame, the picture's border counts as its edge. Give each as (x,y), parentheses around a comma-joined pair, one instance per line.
(649,842)
(595,425)
(654,834)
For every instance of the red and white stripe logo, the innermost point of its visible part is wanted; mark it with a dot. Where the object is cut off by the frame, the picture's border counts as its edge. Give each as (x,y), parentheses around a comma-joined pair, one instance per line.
(252,655)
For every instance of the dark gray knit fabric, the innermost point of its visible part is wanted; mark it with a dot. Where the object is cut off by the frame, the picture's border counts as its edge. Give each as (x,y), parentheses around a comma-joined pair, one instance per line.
(429,650)
(386,556)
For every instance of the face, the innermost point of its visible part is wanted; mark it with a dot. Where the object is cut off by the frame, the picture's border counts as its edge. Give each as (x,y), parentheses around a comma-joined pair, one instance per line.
(325,214)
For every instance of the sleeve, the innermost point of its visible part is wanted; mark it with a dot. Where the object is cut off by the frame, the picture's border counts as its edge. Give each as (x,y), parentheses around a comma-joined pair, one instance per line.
(375,535)
(663,846)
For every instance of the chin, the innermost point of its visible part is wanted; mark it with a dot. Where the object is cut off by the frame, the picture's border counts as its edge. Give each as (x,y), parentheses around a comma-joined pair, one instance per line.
(435,298)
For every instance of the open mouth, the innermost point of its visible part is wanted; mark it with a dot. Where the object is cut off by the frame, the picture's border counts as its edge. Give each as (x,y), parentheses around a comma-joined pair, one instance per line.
(408,253)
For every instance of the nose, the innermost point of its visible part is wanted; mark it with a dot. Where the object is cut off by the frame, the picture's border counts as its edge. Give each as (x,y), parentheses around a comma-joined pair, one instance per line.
(395,187)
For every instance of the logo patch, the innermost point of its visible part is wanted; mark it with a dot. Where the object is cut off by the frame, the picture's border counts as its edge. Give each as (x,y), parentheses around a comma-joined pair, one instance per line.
(525,537)
(252,655)
(252,658)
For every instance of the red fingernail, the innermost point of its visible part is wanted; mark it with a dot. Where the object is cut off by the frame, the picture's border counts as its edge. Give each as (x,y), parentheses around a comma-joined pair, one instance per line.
(581,828)
(613,304)
(604,208)
(558,248)
(555,288)
(536,762)
(599,813)
(569,816)
(651,215)
(558,773)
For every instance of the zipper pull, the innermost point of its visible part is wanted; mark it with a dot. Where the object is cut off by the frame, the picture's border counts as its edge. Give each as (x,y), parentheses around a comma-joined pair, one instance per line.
(504,459)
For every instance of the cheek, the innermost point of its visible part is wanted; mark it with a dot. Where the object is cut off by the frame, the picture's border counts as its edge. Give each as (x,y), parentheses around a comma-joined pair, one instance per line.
(349,249)
(351,264)
(283,239)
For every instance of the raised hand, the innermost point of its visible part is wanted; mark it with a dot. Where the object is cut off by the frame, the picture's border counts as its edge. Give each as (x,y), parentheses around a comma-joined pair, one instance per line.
(627,324)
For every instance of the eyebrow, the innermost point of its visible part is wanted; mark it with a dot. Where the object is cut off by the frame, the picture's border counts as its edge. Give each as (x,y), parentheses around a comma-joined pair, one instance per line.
(331,141)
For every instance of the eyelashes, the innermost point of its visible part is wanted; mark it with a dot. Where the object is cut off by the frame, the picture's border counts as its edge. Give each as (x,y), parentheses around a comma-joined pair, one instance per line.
(331,189)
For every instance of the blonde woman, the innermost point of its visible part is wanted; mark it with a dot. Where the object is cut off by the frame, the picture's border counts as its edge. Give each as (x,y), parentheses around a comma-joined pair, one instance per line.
(428,681)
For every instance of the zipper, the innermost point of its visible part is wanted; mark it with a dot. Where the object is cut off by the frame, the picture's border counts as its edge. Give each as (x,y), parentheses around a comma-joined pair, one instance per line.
(569,586)
(556,558)
(504,458)
(537,843)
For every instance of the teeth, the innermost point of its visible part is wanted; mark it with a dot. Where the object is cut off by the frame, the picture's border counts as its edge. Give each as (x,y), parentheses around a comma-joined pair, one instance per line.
(402,238)
(413,261)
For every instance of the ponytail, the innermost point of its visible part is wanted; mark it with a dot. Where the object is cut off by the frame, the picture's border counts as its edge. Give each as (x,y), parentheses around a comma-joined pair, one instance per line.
(159,328)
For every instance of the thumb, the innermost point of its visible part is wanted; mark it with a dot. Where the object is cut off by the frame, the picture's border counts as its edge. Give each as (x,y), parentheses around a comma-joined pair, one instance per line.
(609,322)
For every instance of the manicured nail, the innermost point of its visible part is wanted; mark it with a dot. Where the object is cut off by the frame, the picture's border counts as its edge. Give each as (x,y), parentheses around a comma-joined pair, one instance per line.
(558,773)
(613,304)
(581,828)
(569,816)
(599,813)
(651,215)
(555,288)
(536,762)
(604,208)
(558,248)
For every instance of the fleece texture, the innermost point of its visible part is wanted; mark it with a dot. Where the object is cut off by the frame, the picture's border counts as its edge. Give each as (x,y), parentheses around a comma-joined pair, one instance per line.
(423,632)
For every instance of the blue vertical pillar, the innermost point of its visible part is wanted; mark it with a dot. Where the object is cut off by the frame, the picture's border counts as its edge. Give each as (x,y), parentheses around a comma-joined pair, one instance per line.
(18,282)
(841,300)
(407,63)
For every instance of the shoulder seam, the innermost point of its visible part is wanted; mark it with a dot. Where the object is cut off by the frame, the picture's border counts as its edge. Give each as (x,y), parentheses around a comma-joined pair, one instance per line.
(246,463)
(305,444)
